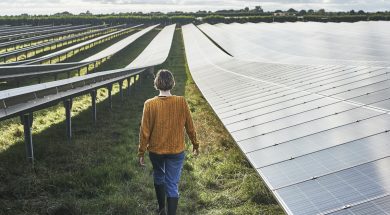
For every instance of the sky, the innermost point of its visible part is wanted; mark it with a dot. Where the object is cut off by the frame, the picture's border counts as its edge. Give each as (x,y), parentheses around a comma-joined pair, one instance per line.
(15,7)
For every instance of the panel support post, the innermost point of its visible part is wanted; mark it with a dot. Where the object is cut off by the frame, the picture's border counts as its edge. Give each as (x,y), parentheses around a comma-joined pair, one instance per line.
(109,88)
(93,97)
(139,81)
(135,83)
(27,120)
(150,72)
(121,89)
(68,108)
(128,86)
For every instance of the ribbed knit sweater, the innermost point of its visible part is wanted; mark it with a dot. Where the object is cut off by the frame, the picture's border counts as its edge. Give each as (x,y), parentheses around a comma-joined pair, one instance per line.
(162,126)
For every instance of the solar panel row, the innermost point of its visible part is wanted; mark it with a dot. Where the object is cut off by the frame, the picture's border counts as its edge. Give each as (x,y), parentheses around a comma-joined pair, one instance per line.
(28,32)
(19,29)
(46,37)
(316,134)
(157,51)
(9,72)
(15,54)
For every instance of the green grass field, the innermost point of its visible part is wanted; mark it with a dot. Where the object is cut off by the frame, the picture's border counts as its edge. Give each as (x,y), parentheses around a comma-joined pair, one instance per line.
(97,173)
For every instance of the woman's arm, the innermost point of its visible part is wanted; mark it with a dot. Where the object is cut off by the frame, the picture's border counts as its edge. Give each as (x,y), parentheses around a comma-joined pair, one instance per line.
(189,125)
(144,131)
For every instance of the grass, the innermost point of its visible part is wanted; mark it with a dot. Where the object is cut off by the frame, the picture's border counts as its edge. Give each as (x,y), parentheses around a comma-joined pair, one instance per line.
(97,173)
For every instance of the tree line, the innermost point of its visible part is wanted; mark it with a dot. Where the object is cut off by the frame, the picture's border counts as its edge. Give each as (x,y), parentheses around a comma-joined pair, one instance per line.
(256,14)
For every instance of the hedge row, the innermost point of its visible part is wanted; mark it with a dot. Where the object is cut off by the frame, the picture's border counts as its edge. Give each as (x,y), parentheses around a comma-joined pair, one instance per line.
(164,19)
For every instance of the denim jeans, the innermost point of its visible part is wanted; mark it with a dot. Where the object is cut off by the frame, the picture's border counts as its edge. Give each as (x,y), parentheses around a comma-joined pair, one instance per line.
(167,171)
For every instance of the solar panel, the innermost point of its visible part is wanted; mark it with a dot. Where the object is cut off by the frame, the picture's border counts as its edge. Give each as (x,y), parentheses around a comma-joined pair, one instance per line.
(157,51)
(119,45)
(306,43)
(317,134)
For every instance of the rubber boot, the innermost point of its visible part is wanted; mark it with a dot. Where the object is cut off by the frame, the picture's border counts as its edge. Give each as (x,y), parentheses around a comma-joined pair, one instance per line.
(160,194)
(172,205)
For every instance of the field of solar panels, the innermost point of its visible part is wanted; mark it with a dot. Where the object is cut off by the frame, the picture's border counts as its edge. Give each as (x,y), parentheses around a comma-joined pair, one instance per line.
(308,104)
(292,117)
(81,145)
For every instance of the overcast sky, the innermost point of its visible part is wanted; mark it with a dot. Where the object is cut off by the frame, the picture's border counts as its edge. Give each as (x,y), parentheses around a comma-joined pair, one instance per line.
(13,7)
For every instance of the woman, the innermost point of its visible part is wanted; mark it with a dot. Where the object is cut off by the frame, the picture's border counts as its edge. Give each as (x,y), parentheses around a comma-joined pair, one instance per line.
(162,133)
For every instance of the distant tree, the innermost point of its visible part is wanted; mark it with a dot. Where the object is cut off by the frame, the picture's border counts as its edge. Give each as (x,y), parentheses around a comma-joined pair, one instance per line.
(278,11)
(65,13)
(352,12)
(361,12)
(310,11)
(321,12)
(302,12)
(246,9)
(291,10)
(259,9)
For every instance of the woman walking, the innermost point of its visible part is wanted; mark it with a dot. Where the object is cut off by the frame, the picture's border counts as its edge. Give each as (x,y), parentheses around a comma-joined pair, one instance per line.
(162,133)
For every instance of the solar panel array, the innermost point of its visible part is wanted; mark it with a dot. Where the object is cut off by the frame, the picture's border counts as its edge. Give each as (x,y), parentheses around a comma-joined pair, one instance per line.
(28,41)
(318,135)
(20,71)
(12,57)
(23,101)
(34,30)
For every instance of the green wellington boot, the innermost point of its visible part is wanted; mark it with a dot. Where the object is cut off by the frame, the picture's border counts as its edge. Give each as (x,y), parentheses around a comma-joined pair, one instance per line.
(160,194)
(172,205)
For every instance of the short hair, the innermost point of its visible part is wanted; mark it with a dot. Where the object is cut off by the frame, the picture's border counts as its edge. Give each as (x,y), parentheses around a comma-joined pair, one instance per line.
(164,80)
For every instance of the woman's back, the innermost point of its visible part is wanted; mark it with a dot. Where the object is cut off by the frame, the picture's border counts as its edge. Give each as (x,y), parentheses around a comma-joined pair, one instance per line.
(164,123)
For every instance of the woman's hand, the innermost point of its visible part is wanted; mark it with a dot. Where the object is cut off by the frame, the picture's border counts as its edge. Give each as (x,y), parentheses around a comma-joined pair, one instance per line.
(142,161)
(195,152)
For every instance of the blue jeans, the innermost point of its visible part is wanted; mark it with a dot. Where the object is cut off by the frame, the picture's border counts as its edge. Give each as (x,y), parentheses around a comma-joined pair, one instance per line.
(167,171)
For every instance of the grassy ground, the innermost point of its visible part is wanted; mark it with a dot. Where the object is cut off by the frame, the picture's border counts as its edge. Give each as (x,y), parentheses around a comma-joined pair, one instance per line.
(97,173)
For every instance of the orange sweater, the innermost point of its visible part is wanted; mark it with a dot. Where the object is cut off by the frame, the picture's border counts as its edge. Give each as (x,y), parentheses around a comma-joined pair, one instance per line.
(162,125)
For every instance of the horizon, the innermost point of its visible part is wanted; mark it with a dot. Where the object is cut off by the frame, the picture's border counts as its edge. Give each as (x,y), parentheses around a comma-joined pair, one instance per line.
(47,7)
